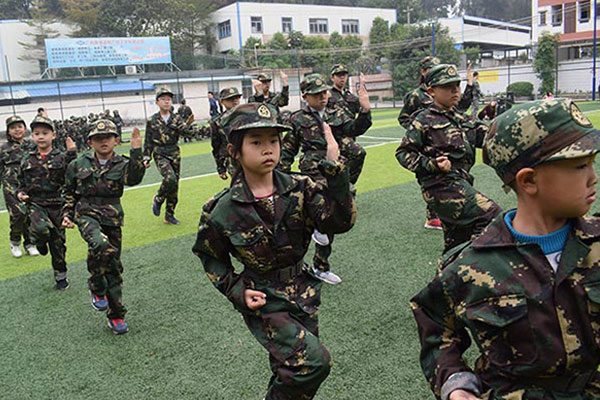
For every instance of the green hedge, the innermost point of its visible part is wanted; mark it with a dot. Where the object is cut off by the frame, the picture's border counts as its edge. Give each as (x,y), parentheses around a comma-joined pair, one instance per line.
(521,89)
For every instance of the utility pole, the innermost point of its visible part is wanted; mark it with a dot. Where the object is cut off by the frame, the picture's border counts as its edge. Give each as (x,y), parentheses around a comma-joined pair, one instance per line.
(407,10)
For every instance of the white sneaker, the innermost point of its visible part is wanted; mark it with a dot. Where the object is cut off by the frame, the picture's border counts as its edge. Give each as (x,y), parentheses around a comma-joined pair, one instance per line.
(320,238)
(31,250)
(15,249)
(326,276)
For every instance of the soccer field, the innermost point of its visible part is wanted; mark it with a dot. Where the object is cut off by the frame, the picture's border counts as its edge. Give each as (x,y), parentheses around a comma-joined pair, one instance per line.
(185,340)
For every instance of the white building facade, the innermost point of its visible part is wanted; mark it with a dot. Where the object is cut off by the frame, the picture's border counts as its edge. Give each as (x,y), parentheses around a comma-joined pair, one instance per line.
(13,55)
(235,23)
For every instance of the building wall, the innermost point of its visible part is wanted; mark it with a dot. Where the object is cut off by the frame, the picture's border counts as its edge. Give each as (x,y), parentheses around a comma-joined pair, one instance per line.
(300,13)
(464,31)
(583,29)
(12,34)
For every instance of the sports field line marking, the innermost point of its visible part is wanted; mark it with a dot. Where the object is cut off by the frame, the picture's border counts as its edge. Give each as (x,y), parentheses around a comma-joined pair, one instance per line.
(379,137)
(187,178)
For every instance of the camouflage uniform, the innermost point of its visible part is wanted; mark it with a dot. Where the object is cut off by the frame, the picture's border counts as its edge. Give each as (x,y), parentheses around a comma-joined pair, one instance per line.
(270,238)
(537,331)
(42,178)
(92,200)
(274,98)
(11,154)
(436,132)
(307,135)
(218,139)
(161,143)
(342,107)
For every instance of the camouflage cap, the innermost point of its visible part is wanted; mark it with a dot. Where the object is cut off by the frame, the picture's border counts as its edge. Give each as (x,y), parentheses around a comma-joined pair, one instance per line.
(13,120)
(429,62)
(41,120)
(442,74)
(532,133)
(162,91)
(103,127)
(229,93)
(338,69)
(264,77)
(313,84)
(251,116)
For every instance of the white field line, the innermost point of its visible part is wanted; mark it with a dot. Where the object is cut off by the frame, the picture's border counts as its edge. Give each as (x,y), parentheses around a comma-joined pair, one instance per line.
(205,175)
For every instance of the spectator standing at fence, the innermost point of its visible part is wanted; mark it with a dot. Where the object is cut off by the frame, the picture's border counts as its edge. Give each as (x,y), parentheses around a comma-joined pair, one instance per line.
(162,135)
(213,105)
(262,93)
(477,95)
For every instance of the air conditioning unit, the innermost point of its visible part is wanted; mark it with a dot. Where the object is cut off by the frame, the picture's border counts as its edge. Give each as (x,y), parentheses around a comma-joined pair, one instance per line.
(130,69)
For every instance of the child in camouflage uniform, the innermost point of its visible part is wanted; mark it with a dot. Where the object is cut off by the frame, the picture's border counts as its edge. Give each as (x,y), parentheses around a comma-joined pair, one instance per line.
(229,98)
(41,180)
(93,188)
(439,147)
(262,94)
(310,126)
(11,153)
(162,135)
(265,220)
(528,288)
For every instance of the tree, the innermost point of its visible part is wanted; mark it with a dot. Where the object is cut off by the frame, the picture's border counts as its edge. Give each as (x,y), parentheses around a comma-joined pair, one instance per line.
(319,58)
(15,9)
(545,61)
(36,45)
(511,10)
(347,57)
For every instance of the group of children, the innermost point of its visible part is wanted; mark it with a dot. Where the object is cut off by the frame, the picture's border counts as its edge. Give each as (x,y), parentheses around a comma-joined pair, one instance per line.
(523,284)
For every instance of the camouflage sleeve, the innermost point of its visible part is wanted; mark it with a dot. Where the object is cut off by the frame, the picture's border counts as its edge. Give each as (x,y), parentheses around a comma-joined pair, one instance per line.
(353,102)
(404,118)
(283,99)
(481,130)
(212,249)
(409,153)
(331,207)
(148,143)
(68,192)
(134,173)
(216,141)
(22,184)
(466,99)
(256,98)
(443,337)
(290,145)
(358,126)
(70,156)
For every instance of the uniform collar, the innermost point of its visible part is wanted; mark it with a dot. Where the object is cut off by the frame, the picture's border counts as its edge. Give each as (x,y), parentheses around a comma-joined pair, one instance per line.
(241,192)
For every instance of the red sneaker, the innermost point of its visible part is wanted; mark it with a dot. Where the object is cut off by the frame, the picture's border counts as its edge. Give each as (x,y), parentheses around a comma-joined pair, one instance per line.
(435,223)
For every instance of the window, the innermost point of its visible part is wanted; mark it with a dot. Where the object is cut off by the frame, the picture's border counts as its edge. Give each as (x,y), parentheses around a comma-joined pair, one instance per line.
(318,25)
(543,17)
(557,15)
(256,23)
(286,24)
(224,29)
(584,11)
(350,26)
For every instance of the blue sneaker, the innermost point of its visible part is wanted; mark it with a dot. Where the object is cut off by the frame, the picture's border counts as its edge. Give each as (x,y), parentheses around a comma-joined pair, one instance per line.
(100,303)
(156,206)
(118,326)
(170,219)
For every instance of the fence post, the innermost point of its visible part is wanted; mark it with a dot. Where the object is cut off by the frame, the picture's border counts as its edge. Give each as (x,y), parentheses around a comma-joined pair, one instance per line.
(102,94)
(62,116)
(144,99)
(12,99)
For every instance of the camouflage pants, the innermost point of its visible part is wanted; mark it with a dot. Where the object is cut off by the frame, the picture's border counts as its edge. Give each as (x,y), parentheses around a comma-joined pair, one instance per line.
(322,253)
(430,213)
(45,227)
(355,155)
(289,331)
(463,210)
(104,262)
(18,219)
(169,167)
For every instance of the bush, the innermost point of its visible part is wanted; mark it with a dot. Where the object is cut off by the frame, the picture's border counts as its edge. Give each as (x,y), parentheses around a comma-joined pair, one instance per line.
(521,89)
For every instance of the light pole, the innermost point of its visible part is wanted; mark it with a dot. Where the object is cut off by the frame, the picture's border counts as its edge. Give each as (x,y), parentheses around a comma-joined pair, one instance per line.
(256,54)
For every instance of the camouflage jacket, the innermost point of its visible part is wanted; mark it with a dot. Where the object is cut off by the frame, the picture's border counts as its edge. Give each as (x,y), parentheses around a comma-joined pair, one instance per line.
(43,179)
(230,224)
(184,111)
(419,99)
(94,190)
(277,99)
(162,137)
(11,154)
(437,132)
(345,100)
(218,141)
(307,135)
(534,328)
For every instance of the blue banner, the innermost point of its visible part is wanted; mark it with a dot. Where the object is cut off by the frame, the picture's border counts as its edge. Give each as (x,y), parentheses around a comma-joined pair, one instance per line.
(93,52)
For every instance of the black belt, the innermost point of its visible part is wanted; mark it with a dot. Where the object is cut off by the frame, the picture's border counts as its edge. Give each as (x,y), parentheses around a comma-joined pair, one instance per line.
(278,275)
(563,384)
(100,200)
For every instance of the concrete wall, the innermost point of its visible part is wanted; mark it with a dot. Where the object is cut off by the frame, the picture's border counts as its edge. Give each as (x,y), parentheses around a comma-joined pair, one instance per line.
(465,31)
(300,13)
